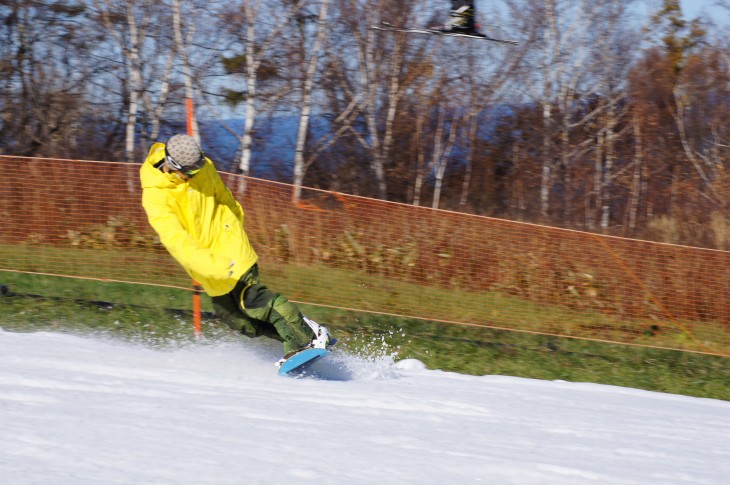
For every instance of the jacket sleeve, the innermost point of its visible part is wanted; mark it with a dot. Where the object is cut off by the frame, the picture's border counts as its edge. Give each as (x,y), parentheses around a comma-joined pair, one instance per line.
(178,242)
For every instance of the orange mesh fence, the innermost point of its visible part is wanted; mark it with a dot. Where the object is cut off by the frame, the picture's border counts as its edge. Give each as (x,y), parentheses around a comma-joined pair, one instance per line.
(84,219)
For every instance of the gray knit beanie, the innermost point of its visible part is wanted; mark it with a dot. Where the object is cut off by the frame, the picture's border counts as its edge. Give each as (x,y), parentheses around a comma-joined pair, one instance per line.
(184,150)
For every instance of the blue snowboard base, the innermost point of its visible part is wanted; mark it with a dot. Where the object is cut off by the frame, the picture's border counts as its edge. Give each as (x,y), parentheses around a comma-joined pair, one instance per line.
(298,363)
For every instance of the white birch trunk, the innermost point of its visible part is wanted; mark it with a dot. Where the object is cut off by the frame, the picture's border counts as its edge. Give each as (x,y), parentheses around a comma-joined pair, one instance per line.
(130,39)
(255,53)
(420,160)
(473,124)
(441,153)
(299,165)
(135,83)
(547,164)
(608,168)
(550,65)
(635,194)
(370,85)
(252,64)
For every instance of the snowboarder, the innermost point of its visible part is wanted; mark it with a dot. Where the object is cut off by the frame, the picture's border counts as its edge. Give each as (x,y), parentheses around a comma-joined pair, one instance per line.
(461,18)
(200,223)
(461,23)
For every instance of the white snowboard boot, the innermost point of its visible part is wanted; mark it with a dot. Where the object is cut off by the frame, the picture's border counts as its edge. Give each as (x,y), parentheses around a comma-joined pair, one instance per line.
(321,334)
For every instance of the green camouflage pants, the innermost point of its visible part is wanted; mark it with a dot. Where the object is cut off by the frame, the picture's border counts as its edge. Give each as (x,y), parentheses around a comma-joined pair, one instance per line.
(256,311)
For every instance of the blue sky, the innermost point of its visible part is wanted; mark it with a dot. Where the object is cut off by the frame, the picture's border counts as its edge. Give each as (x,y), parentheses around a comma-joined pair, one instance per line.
(693,8)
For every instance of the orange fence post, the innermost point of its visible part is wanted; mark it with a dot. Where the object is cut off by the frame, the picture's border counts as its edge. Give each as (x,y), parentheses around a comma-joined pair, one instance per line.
(196,287)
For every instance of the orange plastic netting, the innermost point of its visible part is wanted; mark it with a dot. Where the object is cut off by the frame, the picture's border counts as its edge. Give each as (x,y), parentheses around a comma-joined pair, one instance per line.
(84,219)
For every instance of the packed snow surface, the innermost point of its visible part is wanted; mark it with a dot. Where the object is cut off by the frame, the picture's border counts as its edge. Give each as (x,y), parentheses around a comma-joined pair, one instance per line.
(82,410)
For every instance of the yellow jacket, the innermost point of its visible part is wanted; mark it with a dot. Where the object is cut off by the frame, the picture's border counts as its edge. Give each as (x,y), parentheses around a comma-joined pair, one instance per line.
(199,222)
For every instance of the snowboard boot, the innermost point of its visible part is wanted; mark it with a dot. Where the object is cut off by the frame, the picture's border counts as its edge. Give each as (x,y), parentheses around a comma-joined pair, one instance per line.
(321,334)
(321,340)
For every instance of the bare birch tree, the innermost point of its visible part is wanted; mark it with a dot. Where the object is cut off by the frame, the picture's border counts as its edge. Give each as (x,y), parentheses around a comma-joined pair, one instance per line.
(702,140)
(385,68)
(132,25)
(556,29)
(310,62)
(435,138)
(487,74)
(613,58)
(575,59)
(444,141)
(257,29)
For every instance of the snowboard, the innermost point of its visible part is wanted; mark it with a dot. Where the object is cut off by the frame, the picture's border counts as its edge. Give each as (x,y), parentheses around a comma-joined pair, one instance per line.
(300,362)
(385,26)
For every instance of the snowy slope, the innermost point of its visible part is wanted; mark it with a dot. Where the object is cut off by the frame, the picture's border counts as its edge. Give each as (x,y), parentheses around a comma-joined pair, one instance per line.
(89,411)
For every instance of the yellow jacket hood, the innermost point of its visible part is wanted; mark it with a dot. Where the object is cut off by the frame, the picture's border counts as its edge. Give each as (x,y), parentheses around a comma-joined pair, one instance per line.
(198,221)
